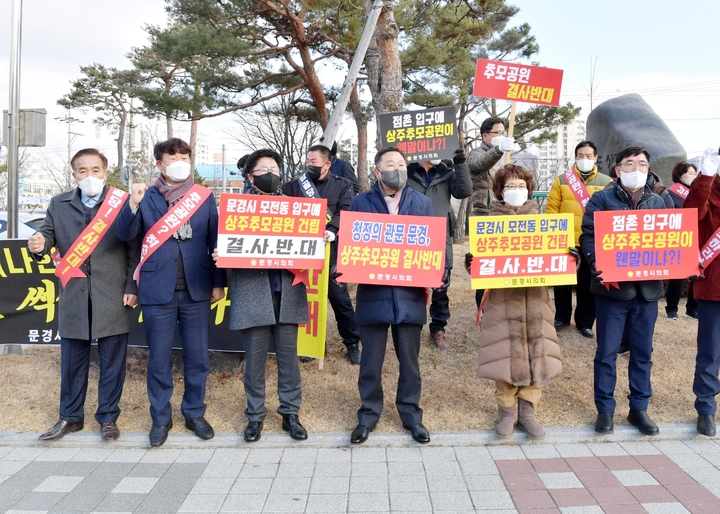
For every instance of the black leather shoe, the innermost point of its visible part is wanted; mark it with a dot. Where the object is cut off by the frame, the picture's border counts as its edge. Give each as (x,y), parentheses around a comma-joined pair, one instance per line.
(706,425)
(158,435)
(624,348)
(61,428)
(109,431)
(604,423)
(560,324)
(586,332)
(201,427)
(360,434)
(253,431)
(354,353)
(640,419)
(419,433)
(291,423)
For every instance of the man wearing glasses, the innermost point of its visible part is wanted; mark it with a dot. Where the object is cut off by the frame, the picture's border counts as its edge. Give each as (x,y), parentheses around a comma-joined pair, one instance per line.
(484,160)
(635,302)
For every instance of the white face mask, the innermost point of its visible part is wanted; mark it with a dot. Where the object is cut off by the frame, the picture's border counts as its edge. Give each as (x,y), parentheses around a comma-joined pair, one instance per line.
(178,170)
(496,140)
(585,165)
(515,197)
(633,180)
(91,186)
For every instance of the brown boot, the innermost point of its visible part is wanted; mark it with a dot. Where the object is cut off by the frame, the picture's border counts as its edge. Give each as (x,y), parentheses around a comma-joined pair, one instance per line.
(527,422)
(439,340)
(506,424)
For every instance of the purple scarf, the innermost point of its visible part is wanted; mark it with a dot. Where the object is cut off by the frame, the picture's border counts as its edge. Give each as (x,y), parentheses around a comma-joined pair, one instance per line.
(173,194)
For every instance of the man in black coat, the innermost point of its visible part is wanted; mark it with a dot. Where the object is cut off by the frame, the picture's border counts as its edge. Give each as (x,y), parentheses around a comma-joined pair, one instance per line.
(440,181)
(632,302)
(318,182)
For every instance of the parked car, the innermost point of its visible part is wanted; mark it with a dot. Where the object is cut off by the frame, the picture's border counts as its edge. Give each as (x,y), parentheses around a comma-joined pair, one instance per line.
(27,226)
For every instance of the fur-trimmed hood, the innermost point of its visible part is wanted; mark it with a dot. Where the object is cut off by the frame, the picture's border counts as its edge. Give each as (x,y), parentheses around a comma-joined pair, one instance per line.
(518,344)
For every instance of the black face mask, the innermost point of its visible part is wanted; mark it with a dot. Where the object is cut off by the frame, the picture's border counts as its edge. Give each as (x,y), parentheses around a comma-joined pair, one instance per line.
(267,183)
(313,172)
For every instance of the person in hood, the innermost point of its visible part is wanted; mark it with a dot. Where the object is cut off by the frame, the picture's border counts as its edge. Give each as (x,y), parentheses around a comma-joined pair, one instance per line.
(441,181)
(633,303)
(400,308)
(562,199)
(519,347)
(94,307)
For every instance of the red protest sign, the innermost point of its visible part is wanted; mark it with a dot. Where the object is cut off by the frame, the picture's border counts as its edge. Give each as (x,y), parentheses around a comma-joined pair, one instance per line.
(517,82)
(391,250)
(271,232)
(655,244)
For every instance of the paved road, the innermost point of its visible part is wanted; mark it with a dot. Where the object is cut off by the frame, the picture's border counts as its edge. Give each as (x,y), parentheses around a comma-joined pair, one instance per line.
(572,471)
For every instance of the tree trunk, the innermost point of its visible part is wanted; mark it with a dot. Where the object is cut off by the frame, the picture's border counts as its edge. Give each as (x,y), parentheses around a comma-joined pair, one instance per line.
(361,122)
(168,117)
(460,219)
(168,121)
(193,142)
(383,65)
(121,139)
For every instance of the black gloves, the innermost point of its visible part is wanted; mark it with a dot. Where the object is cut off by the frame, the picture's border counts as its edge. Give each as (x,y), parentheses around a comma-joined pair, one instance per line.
(459,157)
(695,278)
(468,261)
(596,278)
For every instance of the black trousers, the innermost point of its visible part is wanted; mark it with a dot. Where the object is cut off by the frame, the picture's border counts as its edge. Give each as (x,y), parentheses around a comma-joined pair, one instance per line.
(674,291)
(344,313)
(406,338)
(585,309)
(440,306)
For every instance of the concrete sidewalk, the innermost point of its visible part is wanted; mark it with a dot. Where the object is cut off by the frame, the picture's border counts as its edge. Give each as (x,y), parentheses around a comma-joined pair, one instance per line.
(572,471)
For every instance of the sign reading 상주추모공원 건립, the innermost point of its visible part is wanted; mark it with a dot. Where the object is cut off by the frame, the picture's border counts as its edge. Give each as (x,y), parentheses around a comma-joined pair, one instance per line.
(657,244)
(390,250)
(517,82)
(425,135)
(257,231)
(522,251)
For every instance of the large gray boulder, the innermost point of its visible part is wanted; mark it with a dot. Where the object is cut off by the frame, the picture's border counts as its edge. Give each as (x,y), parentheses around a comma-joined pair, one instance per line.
(629,121)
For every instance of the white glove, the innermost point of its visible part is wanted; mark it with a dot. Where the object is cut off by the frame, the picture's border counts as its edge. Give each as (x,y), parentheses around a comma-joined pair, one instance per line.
(707,166)
(504,144)
(329,236)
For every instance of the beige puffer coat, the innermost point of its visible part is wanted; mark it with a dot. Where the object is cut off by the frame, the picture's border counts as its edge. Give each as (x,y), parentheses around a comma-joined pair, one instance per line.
(518,344)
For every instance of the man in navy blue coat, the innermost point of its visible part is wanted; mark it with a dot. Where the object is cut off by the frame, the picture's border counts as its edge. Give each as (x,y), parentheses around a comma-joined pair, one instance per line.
(400,308)
(177,283)
(634,303)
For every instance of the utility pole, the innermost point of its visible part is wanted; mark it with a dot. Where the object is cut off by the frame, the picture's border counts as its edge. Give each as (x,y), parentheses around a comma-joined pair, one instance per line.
(224,181)
(70,139)
(13,166)
(337,115)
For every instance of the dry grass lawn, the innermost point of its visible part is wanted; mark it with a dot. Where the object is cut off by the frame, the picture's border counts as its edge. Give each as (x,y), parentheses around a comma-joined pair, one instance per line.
(453,398)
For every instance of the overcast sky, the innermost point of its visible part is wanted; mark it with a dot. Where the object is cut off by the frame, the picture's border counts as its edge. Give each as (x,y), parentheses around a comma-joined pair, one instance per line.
(664,50)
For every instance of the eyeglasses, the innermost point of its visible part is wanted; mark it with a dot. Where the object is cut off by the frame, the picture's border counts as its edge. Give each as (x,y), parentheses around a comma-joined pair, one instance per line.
(629,165)
(513,187)
(262,171)
(499,133)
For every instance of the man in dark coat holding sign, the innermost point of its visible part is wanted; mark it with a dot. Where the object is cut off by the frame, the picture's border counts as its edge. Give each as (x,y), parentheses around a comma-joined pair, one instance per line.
(400,308)
(705,196)
(319,182)
(441,181)
(634,301)
(177,280)
(96,306)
